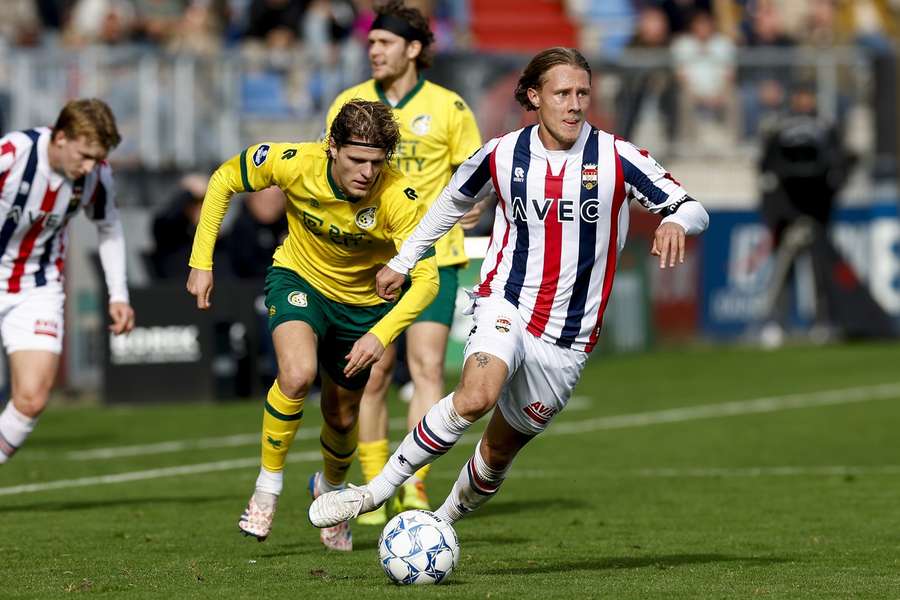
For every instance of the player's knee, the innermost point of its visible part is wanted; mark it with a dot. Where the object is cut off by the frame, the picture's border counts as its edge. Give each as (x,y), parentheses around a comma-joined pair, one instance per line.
(31,402)
(427,371)
(473,402)
(379,377)
(296,380)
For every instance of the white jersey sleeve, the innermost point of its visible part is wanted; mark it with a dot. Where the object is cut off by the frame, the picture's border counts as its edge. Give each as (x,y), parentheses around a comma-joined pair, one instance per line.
(470,183)
(102,210)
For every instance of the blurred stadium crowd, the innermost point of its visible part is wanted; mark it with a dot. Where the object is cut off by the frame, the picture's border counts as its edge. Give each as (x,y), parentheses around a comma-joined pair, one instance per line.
(705,71)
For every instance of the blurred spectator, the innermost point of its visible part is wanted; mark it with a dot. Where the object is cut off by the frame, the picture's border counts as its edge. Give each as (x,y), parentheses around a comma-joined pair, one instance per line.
(705,68)
(337,57)
(763,87)
(276,22)
(174,227)
(258,229)
(802,168)
(157,20)
(680,12)
(642,84)
(21,24)
(199,30)
(108,22)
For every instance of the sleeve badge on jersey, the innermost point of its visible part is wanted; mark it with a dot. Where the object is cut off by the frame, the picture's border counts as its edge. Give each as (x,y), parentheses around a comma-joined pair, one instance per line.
(459,105)
(589,176)
(259,157)
(297,299)
(365,218)
(421,125)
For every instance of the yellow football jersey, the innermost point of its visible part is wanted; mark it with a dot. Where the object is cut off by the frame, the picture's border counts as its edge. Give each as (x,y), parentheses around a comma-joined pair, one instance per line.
(438,133)
(336,244)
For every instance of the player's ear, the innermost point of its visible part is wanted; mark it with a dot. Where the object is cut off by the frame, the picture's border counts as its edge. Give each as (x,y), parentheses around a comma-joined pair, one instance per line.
(413,49)
(534,97)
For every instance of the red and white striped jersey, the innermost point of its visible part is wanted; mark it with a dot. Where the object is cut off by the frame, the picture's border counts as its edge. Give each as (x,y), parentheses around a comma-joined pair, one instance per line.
(36,204)
(560,224)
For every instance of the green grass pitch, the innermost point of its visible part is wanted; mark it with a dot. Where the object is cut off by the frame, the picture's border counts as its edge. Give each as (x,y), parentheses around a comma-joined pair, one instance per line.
(689,473)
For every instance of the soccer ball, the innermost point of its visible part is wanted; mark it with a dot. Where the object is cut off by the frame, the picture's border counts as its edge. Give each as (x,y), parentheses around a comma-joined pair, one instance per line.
(416,547)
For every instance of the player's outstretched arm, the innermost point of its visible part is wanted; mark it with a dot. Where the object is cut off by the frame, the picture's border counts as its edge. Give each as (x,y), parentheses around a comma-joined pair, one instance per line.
(122,316)
(200,285)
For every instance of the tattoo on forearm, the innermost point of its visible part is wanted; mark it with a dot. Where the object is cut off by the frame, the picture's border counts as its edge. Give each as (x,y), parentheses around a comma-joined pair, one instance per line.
(482,359)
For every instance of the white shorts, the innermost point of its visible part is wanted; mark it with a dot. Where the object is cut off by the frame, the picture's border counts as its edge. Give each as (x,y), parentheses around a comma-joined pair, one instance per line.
(33,319)
(541,376)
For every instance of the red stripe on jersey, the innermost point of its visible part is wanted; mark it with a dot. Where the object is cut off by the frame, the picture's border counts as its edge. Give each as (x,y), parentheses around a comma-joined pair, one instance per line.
(553,185)
(60,260)
(27,245)
(485,288)
(6,148)
(612,251)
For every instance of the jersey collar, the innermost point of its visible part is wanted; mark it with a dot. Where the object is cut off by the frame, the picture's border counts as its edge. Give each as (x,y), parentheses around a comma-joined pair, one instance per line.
(338,193)
(405,99)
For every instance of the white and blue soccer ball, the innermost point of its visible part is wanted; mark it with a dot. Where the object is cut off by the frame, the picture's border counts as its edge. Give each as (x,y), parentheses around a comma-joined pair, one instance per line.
(417,547)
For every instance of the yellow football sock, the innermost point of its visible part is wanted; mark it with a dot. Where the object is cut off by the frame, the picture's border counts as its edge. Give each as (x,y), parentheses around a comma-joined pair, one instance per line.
(281,420)
(372,457)
(338,450)
(422,473)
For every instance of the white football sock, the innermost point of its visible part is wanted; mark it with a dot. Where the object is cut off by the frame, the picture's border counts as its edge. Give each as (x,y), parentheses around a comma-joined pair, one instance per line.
(435,434)
(14,430)
(477,483)
(271,482)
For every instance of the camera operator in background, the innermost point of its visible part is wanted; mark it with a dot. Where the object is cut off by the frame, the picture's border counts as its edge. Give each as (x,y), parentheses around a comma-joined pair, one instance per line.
(802,167)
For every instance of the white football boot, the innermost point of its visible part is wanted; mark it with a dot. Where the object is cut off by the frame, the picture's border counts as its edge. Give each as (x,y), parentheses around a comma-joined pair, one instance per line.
(339,506)
(256,521)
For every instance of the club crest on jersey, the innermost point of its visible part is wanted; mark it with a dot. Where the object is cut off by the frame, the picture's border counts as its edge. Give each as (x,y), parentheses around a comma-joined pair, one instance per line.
(365,218)
(518,174)
(421,125)
(298,299)
(259,157)
(589,176)
(503,324)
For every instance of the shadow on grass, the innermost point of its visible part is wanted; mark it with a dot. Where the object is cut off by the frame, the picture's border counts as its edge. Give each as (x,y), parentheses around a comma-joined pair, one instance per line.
(56,505)
(511,507)
(666,561)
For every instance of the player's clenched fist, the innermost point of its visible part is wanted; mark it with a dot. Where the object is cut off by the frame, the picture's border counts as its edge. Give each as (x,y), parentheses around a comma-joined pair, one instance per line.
(388,283)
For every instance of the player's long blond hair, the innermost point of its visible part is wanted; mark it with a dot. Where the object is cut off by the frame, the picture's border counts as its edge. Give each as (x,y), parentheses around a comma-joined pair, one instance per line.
(91,118)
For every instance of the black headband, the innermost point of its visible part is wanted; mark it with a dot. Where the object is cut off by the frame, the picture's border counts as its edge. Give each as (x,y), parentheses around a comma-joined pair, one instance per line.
(365,145)
(400,27)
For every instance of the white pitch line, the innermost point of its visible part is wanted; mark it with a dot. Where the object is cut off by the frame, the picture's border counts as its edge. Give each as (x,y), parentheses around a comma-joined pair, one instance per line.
(840,470)
(237,440)
(728,409)
(731,409)
(210,467)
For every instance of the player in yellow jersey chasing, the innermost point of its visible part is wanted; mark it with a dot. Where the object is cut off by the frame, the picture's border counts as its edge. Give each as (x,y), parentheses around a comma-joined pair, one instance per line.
(348,212)
(438,133)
